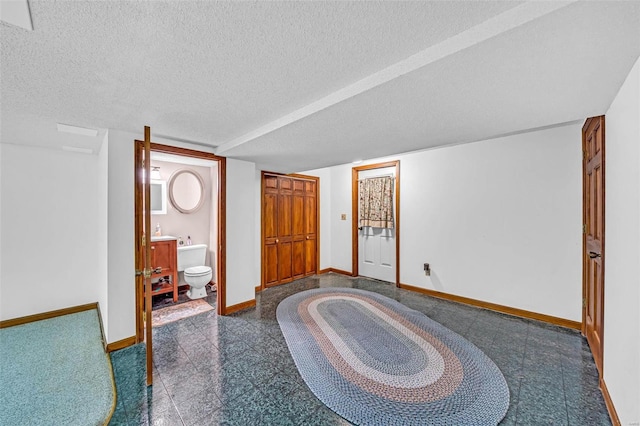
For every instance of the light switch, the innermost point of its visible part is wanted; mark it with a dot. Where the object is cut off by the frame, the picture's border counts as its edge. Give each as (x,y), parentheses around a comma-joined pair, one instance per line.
(343,216)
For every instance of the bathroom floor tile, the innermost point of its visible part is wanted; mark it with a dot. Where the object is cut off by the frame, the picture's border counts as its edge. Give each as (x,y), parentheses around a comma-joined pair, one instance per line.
(237,370)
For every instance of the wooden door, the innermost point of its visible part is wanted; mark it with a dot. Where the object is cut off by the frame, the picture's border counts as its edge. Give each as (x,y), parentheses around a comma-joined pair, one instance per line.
(269,230)
(310,224)
(593,241)
(289,228)
(143,246)
(284,240)
(298,229)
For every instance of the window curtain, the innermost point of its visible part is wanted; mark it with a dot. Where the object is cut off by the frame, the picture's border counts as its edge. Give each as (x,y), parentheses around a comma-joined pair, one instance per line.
(376,202)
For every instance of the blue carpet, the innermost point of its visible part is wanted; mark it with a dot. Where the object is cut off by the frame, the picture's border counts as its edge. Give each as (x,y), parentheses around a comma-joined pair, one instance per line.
(55,372)
(374,361)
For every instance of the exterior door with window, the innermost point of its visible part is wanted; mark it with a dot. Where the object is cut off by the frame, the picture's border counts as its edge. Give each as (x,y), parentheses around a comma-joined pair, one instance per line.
(377,246)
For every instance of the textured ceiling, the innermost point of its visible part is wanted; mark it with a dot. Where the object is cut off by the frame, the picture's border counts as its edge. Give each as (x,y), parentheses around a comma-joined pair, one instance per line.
(299,85)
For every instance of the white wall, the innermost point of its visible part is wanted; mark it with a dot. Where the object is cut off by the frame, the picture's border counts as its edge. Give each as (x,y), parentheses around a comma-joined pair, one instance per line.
(50,227)
(498,220)
(243,238)
(326,216)
(102,234)
(121,260)
(622,250)
(1,145)
(340,190)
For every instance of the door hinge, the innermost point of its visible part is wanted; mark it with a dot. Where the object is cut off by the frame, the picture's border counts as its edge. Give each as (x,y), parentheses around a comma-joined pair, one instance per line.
(145,273)
(584,155)
(143,240)
(584,228)
(584,302)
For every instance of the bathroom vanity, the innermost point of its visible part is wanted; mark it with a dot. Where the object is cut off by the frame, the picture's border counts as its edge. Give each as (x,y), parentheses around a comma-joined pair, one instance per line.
(164,261)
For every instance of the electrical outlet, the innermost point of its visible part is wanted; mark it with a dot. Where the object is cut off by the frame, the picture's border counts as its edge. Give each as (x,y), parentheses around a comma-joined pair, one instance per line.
(343,216)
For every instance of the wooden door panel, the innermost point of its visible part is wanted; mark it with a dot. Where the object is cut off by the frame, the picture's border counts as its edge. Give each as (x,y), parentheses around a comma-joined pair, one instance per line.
(270,208)
(310,266)
(310,225)
(285,184)
(298,259)
(284,216)
(270,264)
(298,186)
(298,215)
(270,182)
(285,270)
(310,187)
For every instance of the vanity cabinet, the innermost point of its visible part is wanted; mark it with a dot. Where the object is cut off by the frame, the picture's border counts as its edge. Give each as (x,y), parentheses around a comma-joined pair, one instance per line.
(164,267)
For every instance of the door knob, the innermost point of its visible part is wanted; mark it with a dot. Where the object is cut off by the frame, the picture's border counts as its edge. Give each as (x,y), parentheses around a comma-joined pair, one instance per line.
(307,237)
(593,254)
(277,241)
(359,228)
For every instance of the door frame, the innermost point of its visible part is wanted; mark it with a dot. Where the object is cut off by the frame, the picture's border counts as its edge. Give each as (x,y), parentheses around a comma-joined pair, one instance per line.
(597,352)
(221,256)
(354,213)
(316,179)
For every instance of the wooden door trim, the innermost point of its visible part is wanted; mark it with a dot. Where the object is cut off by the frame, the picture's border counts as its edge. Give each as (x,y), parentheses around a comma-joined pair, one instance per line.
(138,193)
(354,213)
(599,357)
(316,179)
(221,251)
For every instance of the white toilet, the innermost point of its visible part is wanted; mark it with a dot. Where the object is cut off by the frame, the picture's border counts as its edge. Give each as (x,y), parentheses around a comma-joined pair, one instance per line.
(191,260)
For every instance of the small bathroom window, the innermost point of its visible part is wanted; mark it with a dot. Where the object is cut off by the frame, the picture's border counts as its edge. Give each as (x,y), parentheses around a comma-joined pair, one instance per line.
(158,197)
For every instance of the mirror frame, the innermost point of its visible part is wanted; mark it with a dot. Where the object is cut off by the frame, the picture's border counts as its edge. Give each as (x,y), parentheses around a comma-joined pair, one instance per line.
(172,180)
(163,199)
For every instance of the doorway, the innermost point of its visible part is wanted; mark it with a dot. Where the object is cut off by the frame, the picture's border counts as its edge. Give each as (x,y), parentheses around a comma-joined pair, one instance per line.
(219,258)
(593,254)
(376,251)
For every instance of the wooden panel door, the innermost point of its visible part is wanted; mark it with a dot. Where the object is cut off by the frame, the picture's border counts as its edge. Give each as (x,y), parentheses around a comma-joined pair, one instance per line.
(269,229)
(284,229)
(289,228)
(593,241)
(310,227)
(298,229)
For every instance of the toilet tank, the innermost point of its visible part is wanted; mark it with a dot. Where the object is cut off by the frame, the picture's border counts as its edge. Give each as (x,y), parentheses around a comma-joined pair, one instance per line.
(189,256)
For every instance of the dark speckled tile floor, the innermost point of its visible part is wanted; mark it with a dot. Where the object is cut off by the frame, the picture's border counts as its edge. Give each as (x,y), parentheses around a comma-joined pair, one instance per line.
(236,370)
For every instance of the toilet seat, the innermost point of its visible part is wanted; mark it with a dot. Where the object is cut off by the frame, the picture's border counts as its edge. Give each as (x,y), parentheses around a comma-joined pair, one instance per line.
(197,271)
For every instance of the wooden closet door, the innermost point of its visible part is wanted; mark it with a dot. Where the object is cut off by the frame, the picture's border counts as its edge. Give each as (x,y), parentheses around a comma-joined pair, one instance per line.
(284,241)
(289,228)
(269,229)
(310,227)
(298,215)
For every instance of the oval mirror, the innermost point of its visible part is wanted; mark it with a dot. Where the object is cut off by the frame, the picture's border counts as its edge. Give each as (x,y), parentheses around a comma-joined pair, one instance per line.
(186,191)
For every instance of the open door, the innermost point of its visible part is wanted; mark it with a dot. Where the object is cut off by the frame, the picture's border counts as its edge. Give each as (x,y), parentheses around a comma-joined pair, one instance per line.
(143,248)
(593,146)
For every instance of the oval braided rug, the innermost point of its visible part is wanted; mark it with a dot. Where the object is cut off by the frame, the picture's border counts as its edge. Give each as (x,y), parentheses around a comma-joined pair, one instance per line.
(374,361)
